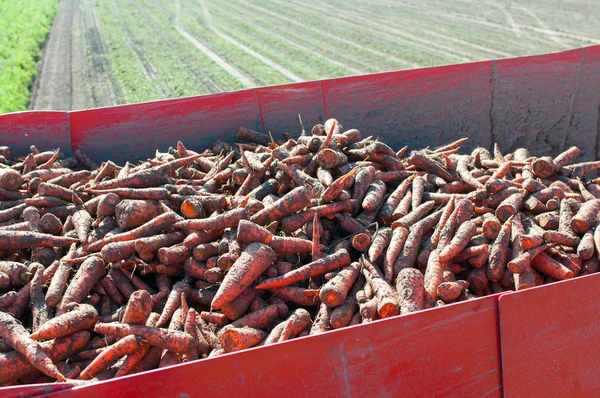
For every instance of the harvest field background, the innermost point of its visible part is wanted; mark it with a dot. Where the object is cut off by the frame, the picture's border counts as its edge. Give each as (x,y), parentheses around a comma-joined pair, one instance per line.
(109,52)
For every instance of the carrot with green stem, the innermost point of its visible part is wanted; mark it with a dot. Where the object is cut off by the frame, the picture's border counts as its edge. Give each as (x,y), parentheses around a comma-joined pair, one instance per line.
(253,261)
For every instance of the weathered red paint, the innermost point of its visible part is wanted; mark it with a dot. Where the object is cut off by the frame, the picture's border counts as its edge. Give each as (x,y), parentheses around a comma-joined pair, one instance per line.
(32,390)
(46,129)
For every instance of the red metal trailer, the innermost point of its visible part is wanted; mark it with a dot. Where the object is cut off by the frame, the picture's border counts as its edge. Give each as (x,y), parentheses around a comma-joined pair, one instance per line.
(542,341)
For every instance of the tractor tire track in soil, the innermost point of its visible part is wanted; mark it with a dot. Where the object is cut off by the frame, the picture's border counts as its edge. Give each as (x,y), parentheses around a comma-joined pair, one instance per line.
(53,86)
(74,72)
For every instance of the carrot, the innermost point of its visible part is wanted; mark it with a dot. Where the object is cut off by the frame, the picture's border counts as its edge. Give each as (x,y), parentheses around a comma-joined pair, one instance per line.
(415,215)
(298,295)
(298,321)
(341,316)
(410,288)
(14,366)
(586,217)
(410,250)
(89,273)
(10,179)
(173,301)
(361,241)
(262,317)
(362,182)
(392,202)
(219,222)
(549,266)
(590,266)
(138,308)
(110,355)
(386,296)
(254,261)
(18,338)
(499,252)
(374,195)
(171,340)
(334,292)
(459,242)
(236,339)
(8,298)
(321,323)
(451,291)
(80,317)
(18,273)
(39,310)
(339,259)
(423,162)
(217,318)
(509,207)
(27,239)
(150,228)
(585,250)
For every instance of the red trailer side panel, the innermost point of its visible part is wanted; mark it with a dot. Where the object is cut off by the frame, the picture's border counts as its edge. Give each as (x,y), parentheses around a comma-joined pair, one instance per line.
(45,129)
(450,351)
(550,340)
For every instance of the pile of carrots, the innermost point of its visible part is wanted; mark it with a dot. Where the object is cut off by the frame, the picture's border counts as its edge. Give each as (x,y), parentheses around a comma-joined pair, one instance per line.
(112,270)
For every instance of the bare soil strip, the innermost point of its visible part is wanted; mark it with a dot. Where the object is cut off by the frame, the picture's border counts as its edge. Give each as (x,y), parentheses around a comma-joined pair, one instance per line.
(53,86)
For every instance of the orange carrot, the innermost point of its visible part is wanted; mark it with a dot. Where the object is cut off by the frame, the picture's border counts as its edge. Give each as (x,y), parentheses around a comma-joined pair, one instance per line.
(460,241)
(173,301)
(262,317)
(586,217)
(18,273)
(341,258)
(410,288)
(386,296)
(254,261)
(341,316)
(235,339)
(334,292)
(18,338)
(322,322)
(298,295)
(80,317)
(171,340)
(27,239)
(410,250)
(88,274)
(110,355)
(450,291)
(138,308)
(226,220)
(236,308)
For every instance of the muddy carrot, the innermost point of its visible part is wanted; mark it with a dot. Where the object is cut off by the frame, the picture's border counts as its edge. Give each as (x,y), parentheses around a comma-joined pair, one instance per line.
(89,273)
(18,273)
(585,250)
(387,298)
(171,340)
(236,308)
(520,263)
(374,195)
(334,292)
(254,261)
(339,259)
(410,288)
(322,322)
(410,250)
(549,266)
(586,217)
(459,242)
(80,317)
(298,295)
(13,365)
(499,253)
(415,215)
(18,338)
(173,301)
(392,202)
(27,239)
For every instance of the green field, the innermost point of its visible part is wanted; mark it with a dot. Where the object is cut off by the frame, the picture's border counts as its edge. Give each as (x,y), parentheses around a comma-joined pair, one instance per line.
(140,50)
(24,25)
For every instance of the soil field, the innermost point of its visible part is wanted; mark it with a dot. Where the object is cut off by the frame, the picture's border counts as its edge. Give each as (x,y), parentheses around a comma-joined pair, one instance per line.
(109,52)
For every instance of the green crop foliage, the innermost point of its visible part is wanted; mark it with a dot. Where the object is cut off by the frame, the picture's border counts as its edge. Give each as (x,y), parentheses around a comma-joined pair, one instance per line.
(24,26)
